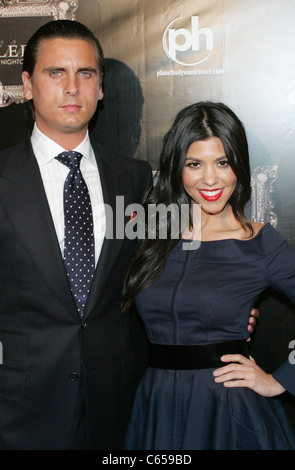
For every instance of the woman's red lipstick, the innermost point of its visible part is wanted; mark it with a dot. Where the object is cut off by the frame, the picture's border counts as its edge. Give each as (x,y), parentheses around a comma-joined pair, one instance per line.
(211,195)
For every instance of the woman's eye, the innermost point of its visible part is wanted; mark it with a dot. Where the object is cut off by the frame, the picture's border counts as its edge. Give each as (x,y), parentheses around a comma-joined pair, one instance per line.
(223,163)
(193,164)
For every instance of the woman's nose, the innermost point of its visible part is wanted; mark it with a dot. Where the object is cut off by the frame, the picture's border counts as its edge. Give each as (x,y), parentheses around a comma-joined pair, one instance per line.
(210,176)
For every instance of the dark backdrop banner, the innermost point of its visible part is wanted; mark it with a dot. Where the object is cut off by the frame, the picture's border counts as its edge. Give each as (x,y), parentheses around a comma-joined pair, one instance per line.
(162,55)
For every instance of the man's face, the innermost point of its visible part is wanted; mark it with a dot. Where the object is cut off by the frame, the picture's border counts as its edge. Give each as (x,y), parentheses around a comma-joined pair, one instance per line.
(64,87)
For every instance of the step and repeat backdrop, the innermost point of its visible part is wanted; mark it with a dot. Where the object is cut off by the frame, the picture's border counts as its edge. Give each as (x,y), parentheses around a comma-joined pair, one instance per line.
(162,55)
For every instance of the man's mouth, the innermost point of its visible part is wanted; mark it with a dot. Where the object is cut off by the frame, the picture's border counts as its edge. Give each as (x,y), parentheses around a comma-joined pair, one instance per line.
(71,108)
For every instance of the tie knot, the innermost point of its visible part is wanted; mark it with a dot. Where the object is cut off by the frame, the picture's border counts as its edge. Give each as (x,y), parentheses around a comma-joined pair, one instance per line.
(71,159)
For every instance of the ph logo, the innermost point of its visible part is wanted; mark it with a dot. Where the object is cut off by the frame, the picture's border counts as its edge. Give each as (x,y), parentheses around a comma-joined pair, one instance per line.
(191,40)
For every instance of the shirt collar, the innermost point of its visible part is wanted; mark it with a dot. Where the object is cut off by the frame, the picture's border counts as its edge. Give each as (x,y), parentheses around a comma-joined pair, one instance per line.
(45,149)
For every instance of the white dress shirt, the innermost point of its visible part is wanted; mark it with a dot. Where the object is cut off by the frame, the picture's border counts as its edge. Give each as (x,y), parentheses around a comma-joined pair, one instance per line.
(54,173)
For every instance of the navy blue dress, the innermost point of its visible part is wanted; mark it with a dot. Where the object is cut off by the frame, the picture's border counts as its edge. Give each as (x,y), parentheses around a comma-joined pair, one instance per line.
(205,296)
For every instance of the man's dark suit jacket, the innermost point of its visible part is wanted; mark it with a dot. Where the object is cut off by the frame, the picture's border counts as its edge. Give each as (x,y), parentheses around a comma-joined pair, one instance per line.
(43,339)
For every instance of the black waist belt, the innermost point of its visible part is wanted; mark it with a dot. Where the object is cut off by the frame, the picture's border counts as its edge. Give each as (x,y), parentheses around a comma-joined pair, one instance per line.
(201,356)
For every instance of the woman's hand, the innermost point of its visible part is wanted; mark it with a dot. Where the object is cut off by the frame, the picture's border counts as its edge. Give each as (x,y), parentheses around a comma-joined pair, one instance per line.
(243,372)
(254,314)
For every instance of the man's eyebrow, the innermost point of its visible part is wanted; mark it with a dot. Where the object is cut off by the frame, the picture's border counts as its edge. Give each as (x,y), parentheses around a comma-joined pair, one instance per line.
(52,67)
(63,69)
(88,69)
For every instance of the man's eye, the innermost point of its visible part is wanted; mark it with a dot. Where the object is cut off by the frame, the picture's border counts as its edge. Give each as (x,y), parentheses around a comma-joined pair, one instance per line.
(55,73)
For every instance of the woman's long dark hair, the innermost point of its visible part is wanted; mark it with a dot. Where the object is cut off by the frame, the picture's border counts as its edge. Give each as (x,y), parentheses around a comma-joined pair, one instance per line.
(199,121)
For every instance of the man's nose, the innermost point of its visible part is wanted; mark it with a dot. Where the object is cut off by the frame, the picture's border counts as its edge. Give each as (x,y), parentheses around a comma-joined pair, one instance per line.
(72,87)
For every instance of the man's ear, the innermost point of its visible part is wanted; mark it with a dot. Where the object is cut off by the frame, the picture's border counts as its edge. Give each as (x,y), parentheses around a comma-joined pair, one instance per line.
(27,85)
(100,93)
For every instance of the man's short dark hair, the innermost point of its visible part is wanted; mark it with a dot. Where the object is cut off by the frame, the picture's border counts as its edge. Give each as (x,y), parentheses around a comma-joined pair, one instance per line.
(60,29)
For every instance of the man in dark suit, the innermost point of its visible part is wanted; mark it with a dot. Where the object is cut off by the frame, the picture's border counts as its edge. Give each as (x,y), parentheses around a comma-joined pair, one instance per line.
(69,368)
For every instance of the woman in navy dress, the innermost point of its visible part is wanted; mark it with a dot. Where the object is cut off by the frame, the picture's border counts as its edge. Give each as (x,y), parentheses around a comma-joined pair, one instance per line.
(201,389)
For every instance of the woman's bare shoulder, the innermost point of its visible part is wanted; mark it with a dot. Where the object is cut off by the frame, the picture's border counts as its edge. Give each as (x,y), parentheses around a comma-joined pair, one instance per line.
(257,226)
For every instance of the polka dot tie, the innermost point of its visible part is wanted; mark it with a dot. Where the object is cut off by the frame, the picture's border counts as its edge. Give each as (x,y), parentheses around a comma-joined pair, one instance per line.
(79,239)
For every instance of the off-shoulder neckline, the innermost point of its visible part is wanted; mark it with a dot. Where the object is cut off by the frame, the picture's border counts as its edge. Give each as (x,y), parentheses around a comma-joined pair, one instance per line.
(244,240)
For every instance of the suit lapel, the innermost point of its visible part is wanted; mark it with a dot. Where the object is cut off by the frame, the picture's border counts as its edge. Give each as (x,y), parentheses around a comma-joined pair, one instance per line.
(22,194)
(113,184)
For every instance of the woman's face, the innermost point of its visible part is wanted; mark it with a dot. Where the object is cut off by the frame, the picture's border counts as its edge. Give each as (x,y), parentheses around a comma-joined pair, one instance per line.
(207,176)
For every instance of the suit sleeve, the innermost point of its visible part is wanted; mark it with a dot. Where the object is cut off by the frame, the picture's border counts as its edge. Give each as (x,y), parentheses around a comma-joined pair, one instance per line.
(145,178)
(280,269)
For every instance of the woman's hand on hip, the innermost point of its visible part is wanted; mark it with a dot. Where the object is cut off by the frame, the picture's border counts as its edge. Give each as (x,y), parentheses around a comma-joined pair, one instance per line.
(243,372)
